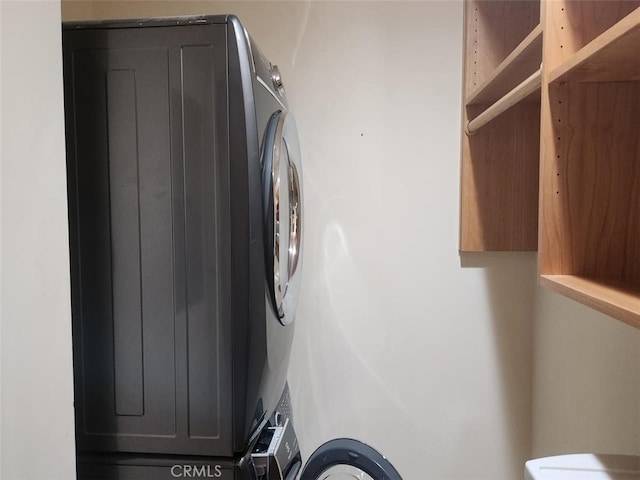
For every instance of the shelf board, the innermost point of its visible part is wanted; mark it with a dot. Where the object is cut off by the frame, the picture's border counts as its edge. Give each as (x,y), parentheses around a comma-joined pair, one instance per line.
(614,297)
(614,56)
(521,62)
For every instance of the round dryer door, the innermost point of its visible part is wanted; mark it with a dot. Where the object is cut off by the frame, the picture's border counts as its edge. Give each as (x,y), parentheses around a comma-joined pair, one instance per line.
(282,189)
(348,459)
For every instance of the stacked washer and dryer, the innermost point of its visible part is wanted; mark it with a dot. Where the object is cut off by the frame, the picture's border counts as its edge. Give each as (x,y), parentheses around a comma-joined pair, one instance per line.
(185,215)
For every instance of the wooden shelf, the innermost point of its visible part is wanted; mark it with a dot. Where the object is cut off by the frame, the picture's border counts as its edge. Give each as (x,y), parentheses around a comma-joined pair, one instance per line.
(521,63)
(590,192)
(615,297)
(589,245)
(499,183)
(575,137)
(613,56)
(499,165)
(493,32)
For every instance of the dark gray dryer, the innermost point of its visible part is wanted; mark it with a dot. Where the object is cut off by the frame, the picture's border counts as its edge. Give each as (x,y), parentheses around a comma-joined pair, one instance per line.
(185,213)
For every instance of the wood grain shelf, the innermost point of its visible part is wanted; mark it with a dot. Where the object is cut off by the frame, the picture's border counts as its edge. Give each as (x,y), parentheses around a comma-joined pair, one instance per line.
(559,171)
(614,56)
(521,63)
(499,166)
(613,296)
(589,242)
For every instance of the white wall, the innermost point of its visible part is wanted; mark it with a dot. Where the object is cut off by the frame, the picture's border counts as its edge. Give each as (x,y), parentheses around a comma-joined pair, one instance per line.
(586,381)
(398,345)
(36,434)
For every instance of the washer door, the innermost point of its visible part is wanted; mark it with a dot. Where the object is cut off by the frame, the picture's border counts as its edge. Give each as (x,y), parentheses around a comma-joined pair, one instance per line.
(348,459)
(282,190)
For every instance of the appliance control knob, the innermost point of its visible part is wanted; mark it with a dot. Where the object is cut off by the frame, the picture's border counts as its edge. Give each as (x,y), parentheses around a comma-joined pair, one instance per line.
(277,79)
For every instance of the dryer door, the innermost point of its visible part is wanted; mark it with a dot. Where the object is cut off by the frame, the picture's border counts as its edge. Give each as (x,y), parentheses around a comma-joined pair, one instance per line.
(282,190)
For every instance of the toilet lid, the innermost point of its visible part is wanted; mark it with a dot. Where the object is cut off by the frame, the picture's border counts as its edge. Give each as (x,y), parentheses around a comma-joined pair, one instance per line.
(584,466)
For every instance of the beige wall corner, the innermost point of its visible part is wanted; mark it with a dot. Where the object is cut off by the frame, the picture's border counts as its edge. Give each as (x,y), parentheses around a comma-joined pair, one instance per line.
(37,427)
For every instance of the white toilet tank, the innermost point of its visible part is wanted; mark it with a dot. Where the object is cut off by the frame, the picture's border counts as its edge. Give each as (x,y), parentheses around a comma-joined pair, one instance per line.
(584,466)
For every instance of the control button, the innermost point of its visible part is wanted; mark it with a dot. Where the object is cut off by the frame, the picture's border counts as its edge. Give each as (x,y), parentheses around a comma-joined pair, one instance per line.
(277,80)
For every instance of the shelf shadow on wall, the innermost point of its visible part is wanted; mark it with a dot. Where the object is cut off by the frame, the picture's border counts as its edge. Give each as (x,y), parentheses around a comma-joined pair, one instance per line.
(510,288)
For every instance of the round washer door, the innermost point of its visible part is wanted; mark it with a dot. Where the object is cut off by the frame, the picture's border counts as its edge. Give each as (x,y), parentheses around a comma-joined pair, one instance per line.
(282,190)
(348,459)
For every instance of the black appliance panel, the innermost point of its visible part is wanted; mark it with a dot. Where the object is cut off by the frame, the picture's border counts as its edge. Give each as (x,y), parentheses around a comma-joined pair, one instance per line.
(147,141)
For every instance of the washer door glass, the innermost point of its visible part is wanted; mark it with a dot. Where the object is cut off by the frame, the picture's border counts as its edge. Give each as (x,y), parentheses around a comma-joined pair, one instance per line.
(282,188)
